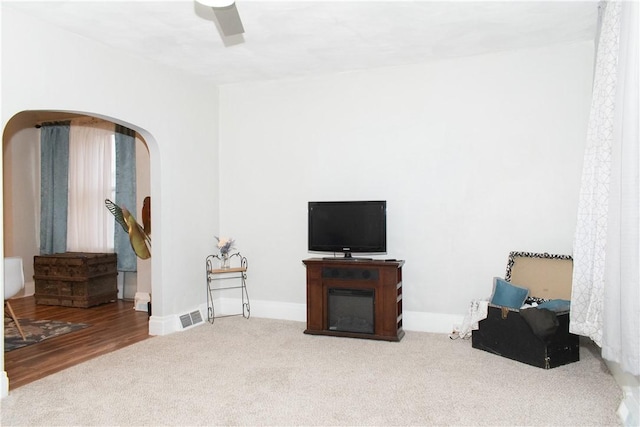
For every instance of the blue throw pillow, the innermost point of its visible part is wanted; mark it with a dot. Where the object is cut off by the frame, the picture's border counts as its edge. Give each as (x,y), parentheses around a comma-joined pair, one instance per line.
(556,305)
(507,295)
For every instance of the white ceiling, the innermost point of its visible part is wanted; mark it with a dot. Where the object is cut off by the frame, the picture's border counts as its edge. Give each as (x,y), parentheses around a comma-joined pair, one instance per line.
(288,39)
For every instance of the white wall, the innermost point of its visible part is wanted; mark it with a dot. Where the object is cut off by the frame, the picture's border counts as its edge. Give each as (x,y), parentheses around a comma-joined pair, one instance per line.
(44,68)
(475,156)
(143,189)
(21,197)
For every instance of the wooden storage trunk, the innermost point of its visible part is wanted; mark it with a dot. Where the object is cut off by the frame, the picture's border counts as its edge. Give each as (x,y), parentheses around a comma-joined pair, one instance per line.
(506,333)
(75,279)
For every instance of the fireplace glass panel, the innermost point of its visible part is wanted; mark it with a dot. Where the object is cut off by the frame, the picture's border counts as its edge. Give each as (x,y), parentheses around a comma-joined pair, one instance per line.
(351,310)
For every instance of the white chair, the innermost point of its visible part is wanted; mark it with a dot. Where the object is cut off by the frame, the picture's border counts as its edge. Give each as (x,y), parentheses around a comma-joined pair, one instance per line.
(13,284)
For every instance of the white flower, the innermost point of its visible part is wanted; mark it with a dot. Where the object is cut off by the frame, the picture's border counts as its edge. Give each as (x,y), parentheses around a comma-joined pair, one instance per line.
(225,244)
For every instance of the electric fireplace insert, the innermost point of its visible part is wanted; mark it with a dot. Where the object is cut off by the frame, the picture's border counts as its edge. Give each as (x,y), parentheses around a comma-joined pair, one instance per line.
(351,310)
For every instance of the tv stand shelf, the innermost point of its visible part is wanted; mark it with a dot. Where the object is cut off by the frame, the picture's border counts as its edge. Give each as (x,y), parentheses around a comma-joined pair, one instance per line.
(382,279)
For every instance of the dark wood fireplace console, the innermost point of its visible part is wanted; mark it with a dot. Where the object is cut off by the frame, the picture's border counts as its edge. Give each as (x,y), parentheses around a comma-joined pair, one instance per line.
(382,279)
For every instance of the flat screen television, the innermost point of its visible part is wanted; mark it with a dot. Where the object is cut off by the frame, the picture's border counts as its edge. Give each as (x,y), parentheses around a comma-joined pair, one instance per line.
(348,227)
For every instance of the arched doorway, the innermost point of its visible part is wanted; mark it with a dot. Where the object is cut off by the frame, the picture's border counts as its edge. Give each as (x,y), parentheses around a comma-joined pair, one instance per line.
(21,196)
(21,186)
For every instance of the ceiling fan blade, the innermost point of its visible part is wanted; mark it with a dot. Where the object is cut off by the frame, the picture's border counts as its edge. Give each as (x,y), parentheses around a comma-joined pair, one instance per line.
(229,20)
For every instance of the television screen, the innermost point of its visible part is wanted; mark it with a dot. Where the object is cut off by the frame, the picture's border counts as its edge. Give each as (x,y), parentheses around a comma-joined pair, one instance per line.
(348,226)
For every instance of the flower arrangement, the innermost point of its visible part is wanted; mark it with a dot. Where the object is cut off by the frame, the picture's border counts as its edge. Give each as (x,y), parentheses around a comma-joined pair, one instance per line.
(225,244)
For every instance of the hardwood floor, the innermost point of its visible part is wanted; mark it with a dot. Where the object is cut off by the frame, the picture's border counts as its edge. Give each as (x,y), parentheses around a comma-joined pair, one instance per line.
(113,326)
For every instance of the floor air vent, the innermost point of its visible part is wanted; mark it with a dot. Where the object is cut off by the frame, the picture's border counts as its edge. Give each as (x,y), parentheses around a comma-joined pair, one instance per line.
(190,319)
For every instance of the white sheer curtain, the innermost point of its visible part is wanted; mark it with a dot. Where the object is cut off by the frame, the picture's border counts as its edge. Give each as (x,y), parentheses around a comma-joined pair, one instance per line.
(90,225)
(621,329)
(606,280)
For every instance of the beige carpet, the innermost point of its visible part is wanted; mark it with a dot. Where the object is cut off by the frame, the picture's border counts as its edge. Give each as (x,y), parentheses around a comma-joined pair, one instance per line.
(267,372)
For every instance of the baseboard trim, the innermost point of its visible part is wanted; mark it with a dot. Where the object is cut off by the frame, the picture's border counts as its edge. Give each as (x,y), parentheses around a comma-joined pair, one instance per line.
(412,320)
(162,325)
(165,325)
(418,321)
(629,409)
(4,384)
(266,309)
(421,321)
